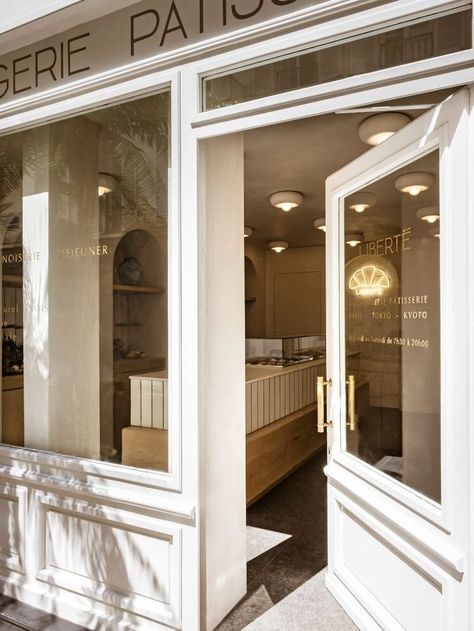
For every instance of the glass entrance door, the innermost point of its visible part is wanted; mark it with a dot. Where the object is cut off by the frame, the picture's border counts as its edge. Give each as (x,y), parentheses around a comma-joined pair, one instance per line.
(397,279)
(392,335)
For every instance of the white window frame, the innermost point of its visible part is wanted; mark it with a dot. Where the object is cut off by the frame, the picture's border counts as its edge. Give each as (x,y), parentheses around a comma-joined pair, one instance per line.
(103,471)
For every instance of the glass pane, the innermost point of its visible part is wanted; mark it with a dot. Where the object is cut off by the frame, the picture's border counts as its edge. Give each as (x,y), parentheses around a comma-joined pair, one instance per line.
(402,45)
(392,291)
(84,215)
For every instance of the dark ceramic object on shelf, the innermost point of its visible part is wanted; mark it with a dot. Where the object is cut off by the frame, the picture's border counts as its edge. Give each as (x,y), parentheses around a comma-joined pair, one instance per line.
(130,271)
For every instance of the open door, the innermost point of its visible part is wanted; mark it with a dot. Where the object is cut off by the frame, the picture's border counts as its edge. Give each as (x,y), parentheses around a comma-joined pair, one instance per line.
(397,391)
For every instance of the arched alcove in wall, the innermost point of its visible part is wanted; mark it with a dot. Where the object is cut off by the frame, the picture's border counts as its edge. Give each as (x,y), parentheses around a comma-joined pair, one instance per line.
(251,294)
(139,283)
(140,317)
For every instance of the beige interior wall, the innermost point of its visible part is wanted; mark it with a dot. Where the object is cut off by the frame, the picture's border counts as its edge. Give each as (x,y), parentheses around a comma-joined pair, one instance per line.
(296,291)
(223,518)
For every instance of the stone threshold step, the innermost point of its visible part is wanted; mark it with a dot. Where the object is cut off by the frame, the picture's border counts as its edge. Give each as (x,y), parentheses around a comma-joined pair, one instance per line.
(15,615)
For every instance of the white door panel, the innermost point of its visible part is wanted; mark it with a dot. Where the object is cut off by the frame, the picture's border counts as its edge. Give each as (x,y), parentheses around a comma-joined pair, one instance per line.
(397,324)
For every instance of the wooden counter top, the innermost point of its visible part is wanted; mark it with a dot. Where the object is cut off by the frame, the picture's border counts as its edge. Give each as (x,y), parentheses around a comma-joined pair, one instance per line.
(257,372)
(12,382)
(156,374)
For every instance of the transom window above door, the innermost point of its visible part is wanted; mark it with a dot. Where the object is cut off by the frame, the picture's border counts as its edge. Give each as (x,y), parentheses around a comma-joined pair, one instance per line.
(423,38)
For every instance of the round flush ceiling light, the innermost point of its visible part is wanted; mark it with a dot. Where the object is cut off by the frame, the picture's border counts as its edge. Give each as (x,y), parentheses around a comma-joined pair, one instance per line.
(414,183)
(361,201)
(278,246)
(248,231)
(375,129)
(428,213)
(286,200)
(354,238)
(107,183)
(320,223)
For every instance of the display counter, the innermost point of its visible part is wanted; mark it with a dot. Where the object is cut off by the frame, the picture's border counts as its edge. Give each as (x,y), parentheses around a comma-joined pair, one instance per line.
(280,420)
(273,392)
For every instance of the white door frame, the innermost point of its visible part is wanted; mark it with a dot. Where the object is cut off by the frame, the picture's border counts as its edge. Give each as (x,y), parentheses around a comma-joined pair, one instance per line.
(313,101)
(177,498)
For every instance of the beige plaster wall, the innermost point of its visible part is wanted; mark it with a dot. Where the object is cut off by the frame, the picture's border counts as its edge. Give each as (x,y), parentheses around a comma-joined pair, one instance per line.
(295,288)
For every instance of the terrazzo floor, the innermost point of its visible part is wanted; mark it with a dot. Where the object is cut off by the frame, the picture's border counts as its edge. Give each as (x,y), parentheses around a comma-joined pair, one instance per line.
(287,554)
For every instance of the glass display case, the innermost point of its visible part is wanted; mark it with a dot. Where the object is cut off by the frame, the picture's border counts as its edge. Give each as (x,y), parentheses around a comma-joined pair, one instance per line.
(284,351)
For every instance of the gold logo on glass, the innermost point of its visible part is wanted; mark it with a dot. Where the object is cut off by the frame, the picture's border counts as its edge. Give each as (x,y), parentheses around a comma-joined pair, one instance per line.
(369,281)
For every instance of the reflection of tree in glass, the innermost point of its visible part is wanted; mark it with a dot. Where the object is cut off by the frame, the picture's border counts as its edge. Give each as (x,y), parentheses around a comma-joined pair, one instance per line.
(10,169)
(134,137)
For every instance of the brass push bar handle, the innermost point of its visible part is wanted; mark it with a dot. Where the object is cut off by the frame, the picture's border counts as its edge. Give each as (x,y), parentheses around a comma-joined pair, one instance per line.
(321,423)
(351,411)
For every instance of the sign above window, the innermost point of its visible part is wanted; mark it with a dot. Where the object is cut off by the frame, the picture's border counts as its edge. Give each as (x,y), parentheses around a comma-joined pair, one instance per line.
(143,30)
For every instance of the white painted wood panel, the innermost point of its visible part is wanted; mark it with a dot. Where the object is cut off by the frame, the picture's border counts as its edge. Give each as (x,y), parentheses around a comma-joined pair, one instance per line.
(124,559)
(12,515)
(376,567)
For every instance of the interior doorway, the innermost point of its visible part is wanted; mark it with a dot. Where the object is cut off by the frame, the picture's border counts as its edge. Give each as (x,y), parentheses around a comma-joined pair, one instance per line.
(285,172)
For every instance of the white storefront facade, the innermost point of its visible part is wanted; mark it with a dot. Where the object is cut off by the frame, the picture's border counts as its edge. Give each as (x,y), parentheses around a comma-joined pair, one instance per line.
(90,528)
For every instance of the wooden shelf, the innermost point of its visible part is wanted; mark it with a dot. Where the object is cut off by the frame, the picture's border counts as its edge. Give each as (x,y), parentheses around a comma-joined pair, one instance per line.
(250,299)
(12,280)
(136,289)
(131,365)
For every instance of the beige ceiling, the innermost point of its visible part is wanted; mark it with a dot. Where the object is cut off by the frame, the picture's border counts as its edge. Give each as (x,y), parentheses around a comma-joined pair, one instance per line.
(300,156)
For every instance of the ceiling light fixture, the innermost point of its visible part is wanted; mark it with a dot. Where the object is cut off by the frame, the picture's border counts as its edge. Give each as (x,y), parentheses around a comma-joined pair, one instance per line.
(107,183)
(428,213)
(361,201)
(435,232)
(414,183)
(354,238)
(278,246)
(378,128)
(320,223)
(286,200)
(248,231)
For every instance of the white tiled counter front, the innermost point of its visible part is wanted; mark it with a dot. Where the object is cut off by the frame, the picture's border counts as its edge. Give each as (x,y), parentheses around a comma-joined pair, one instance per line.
(149,400)
(273,392)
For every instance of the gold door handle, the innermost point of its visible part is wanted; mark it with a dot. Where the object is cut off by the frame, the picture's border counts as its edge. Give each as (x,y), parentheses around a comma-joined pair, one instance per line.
(351,411)
(321,423)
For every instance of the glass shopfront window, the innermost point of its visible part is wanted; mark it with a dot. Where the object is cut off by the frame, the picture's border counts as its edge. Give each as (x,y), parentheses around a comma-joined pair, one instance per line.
(84,238)
(414,41)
